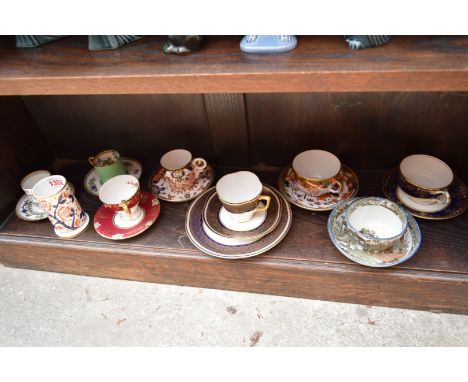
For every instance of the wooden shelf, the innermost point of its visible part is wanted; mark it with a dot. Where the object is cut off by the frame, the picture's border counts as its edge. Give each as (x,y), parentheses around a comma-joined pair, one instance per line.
(305,264)
(319,64)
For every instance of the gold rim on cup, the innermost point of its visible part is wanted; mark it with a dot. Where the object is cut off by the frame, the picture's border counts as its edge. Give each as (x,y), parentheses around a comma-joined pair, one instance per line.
(92,159)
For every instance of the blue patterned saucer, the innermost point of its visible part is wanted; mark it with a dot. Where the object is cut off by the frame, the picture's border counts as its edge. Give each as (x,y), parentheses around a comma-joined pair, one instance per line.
(27,209)
(350,246)
(458,195)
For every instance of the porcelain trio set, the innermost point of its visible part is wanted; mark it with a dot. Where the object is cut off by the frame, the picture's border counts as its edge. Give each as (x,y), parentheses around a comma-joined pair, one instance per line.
(241,217)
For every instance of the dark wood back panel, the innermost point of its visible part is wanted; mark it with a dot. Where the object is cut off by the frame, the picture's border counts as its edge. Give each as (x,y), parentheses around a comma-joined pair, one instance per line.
(22,149)
(370,131)
(366,130)
(140,126)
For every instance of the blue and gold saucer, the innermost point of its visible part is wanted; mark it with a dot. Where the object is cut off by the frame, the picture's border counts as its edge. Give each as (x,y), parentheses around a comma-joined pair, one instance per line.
(458,195)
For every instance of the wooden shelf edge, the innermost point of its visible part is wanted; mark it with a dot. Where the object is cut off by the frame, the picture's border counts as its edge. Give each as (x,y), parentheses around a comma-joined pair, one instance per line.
(435,291)
(291,82)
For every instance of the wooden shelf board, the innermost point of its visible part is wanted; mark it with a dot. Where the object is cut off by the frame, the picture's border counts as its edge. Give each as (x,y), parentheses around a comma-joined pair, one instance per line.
(318,64)
(305,264)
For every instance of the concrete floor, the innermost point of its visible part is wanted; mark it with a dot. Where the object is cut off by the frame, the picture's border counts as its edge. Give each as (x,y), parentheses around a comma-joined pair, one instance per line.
(50,309)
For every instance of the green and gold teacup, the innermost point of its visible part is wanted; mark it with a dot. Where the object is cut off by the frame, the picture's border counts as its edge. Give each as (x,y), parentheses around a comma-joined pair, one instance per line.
(108,164)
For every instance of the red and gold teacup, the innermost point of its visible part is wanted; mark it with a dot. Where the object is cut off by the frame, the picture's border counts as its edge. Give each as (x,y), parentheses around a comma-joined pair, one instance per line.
(122,194)
(317,171)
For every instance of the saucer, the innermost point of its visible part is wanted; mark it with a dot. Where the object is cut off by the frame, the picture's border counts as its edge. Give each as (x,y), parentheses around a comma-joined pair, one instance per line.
(104,220)
(214,208)
(408,201)
(300,197)
(159,186)
(201,240)
(458,195)
(92,182)
(230,241)
(69,234)
(29,210)
(256,221)
(353,249)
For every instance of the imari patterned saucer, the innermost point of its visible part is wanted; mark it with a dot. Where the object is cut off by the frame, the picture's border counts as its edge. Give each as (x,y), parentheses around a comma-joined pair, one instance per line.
(160,186)
(104,220)
(29,210)
(299,196)
(354,250)
(93,184)
(194,223)
(458,195)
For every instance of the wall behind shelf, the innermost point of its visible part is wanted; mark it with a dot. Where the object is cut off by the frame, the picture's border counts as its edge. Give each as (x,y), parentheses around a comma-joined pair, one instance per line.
(366,130)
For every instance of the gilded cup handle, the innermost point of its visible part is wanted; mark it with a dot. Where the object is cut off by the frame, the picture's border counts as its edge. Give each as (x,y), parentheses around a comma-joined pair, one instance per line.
(440,193)
(267,200)
(124,205)
(198,165)
(334,190)
(91,161)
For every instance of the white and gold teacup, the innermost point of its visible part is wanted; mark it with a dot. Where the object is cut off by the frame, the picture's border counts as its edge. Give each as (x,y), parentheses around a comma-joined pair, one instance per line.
(317,171)
(241,195)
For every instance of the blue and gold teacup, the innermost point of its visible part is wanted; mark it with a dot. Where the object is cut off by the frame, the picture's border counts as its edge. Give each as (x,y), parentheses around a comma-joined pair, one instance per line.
(425,180)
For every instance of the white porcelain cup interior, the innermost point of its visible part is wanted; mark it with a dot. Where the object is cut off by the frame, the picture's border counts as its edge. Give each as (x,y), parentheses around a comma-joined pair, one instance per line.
(316,164)
(383,222)
(239,187)
(49,186)
(30,180)
(426,171)
(118,188)
(176,159)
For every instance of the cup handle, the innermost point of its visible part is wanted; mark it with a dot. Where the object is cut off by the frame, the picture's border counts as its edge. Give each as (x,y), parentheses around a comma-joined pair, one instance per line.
(91,161)
(124,205)
(437,200)
(267,200)
(332,188)
(198,165)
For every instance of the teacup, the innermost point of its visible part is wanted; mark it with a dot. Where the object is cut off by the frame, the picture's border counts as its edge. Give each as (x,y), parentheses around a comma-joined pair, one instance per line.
(377,222)
(181,170)
(241,193)
(122,194)
(30,180)
(425,179)
(317,171)
(108,164)
(56,197)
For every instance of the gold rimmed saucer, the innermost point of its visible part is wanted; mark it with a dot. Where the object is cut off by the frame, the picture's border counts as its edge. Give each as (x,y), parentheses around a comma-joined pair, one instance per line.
(211,218)
(194,223)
